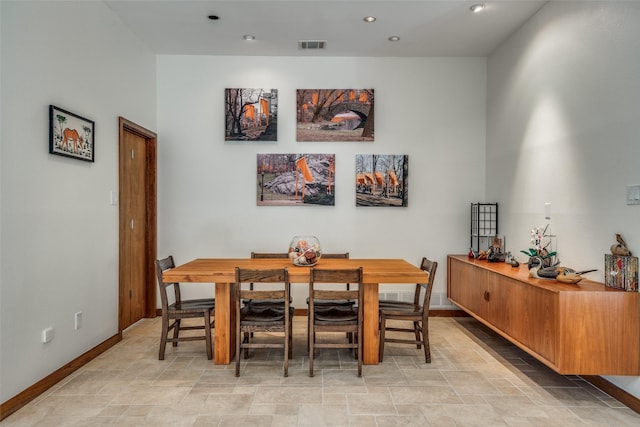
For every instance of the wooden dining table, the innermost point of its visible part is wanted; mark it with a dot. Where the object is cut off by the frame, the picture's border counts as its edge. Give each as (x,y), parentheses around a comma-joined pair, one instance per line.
(221,271)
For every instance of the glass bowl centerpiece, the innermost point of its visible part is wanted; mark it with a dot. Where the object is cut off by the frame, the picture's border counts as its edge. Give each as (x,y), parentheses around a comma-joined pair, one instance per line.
(304,250)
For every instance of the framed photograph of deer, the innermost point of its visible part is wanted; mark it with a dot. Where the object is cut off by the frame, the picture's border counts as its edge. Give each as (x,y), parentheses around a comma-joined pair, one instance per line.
(71,135)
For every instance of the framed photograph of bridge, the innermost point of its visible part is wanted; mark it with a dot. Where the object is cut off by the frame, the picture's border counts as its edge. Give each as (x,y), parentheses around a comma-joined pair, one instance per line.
(251,114)
(71,135)
(382,180)
(335,115)
(296,179)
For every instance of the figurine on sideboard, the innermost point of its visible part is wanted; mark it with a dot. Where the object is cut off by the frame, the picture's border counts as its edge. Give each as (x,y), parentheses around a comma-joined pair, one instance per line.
(620,248)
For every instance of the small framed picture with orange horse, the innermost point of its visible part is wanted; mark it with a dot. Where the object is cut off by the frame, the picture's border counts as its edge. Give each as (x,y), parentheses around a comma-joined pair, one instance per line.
(71,135)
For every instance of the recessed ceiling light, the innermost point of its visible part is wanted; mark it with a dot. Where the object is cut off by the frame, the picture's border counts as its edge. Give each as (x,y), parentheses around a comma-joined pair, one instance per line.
(394,38)
(249,37)
(214,17)
(369,19)
(477,7)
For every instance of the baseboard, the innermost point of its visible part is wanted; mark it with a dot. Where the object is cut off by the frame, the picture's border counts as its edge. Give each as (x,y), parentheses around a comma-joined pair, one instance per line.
(614,391)
(448,313)
(18,401)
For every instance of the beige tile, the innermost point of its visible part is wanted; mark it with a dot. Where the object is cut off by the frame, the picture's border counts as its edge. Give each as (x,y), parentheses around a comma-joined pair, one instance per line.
(475,378)
(371,404)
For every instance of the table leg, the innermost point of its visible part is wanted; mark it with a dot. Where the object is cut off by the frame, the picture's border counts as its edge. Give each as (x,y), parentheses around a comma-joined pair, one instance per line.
(370,340)
(224,331)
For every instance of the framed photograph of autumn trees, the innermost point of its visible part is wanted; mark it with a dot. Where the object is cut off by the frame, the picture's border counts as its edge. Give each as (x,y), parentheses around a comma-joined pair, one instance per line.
(296,179)
(382,180)
(71,135)
(335,115)
(251,114)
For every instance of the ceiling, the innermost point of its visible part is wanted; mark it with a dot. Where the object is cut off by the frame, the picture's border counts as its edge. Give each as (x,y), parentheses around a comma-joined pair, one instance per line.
(425,27)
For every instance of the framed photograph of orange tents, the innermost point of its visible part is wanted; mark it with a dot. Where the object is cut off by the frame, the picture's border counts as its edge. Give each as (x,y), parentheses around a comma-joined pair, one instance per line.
(335,115)
(382,180)
(296,179)
(251,114)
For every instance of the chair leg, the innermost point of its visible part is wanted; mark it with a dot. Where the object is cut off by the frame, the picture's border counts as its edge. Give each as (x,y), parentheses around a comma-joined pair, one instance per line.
(238,343)
(416,330)
(176,332)
(207,334)
(287,349)
(247,339)
(383,326)
(290,352)
(163,337)
(358,337)
(425,340)
(312,338)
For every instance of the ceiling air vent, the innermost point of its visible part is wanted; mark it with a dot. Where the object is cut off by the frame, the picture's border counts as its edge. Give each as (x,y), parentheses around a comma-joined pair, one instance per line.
(312,44)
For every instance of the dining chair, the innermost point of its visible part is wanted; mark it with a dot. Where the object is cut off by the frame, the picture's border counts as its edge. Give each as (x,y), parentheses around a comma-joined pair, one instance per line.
(254,318)
(251,286)
(416,312)
(336,318)
(173,313)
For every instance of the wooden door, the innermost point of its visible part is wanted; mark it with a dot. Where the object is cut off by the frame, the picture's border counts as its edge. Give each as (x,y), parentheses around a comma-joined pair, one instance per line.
(137,172)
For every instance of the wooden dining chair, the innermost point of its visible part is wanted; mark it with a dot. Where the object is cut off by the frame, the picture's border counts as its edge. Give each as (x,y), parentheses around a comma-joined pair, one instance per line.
(251,286)
(344,255)
(336,318)
(254,318)
(173,313)
(416,312)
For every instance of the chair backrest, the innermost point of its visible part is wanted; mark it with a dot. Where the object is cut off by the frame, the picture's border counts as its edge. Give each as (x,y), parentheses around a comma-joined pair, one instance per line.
(430,267)
(273,276)
(337,276)
(269,255)
(337,256)
(163,265)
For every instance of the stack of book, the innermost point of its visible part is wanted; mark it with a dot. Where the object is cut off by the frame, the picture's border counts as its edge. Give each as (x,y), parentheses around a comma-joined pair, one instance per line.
(621,272)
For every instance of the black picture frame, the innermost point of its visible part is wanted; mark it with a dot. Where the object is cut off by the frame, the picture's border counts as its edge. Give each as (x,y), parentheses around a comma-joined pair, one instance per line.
(71,135)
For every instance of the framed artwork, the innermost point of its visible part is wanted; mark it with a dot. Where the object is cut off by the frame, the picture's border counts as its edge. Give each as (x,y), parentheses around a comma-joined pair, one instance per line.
(71,135)
(335,115)
(498,244)
(382,180)
(296,179)
(251,114)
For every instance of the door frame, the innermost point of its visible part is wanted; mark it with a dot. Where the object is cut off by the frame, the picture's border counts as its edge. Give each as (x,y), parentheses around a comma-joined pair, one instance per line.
(150,137)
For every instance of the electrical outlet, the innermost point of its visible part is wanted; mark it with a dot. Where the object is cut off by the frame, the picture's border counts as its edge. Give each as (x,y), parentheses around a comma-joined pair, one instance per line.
(78,320)
(47,335)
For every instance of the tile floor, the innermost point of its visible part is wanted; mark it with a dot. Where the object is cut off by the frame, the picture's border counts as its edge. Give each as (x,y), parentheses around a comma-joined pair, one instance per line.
(476,379)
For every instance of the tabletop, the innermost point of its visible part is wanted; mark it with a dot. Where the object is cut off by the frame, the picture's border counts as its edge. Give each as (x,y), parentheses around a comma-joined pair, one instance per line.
(222,270)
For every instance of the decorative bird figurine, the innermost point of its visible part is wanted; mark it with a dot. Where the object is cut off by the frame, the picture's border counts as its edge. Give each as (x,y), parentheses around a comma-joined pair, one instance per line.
(533,271)
(567,278)
(621,247)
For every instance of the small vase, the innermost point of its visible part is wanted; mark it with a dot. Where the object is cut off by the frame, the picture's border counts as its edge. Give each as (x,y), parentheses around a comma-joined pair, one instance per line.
(305,250)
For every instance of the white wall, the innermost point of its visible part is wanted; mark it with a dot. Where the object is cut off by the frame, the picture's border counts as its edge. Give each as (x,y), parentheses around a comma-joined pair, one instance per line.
(59,234)
(432,109)
(562,127)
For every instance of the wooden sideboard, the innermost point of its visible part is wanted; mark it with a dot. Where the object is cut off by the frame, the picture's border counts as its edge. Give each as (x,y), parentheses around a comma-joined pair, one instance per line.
(581,329)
